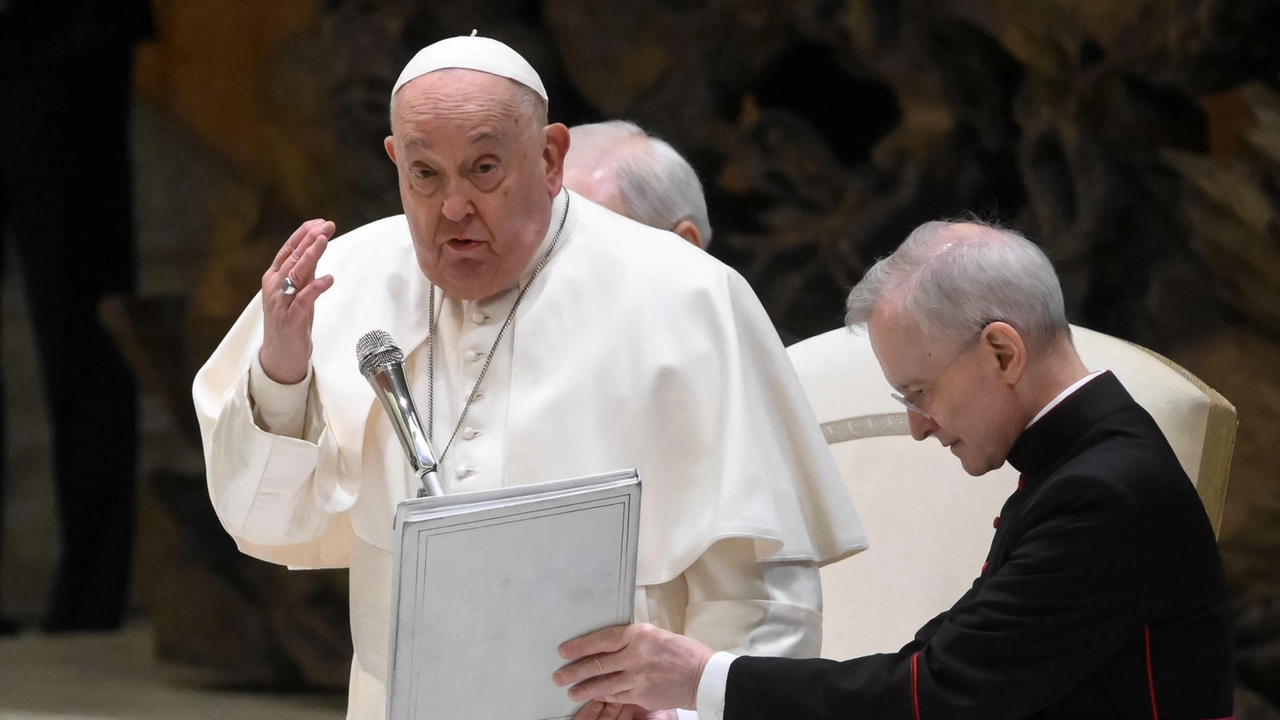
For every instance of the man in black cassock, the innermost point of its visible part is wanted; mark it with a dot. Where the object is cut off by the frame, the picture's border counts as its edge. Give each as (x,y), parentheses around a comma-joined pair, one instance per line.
(1102,596)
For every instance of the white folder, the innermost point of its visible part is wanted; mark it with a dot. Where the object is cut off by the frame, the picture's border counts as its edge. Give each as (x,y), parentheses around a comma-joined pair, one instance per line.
(488,584)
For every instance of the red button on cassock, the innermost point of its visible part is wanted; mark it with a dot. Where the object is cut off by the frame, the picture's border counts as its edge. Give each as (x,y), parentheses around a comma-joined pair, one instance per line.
(996,523)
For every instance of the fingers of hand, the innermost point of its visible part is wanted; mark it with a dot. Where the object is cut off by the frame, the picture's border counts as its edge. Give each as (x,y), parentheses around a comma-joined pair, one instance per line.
(292,242)
(616,711)
(306,297)
(305,271)
(300,263)
(610,639)
(590,711)
(314,246)
(295,257)
(585,669)
(613,687)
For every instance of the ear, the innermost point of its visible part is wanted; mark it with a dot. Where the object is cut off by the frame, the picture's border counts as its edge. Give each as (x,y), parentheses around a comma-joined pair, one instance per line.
(689,232)
(553,152)
(1005,345)
(390,145)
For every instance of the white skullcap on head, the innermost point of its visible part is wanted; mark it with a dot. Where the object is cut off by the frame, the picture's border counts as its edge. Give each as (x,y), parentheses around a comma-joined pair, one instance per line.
(472,53)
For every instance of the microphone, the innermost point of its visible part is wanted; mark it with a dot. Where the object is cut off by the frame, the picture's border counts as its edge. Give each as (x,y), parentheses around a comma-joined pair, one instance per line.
(382,364)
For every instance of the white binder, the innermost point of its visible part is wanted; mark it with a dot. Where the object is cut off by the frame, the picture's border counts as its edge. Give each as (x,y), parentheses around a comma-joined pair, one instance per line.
(488,584)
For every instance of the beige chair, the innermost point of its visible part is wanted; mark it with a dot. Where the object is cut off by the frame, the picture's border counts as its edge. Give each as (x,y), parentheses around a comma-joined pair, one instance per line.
(930,523)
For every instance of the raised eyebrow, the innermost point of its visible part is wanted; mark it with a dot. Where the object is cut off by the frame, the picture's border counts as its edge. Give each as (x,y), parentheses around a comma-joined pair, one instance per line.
(482,134)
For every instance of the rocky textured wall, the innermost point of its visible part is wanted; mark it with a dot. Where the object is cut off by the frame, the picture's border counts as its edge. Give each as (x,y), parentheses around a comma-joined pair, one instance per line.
(1138,142)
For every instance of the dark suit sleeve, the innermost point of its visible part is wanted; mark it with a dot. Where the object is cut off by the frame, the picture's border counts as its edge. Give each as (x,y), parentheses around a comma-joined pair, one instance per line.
(929,629)
(1061,604)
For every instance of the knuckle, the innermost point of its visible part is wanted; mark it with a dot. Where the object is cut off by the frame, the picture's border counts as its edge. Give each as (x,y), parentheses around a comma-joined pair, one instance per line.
(644,633)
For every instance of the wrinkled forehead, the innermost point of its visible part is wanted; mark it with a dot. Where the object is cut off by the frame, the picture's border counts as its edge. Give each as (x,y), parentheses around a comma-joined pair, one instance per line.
(457,93)
(906,355)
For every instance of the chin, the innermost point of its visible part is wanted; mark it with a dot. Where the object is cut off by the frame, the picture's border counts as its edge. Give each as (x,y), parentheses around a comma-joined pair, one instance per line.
(977,468)
(464,280)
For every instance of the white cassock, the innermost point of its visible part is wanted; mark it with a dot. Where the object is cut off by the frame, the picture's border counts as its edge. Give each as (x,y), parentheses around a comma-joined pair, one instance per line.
(631,349)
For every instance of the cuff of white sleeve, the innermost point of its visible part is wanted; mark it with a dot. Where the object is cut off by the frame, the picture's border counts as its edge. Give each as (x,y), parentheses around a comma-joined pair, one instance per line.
(277,404)
(712,686)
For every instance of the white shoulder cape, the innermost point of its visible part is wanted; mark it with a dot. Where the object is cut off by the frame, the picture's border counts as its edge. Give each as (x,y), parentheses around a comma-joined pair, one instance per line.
(632,349)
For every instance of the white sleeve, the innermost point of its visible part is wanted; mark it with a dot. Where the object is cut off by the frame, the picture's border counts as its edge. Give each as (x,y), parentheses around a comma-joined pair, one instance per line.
(730,600)
(277,408)
(712,686)
(282,497)
(739,604)
(270,488)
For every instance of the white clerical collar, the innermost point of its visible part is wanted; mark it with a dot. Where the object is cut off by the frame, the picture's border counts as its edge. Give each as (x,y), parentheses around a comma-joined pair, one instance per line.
(1064,395)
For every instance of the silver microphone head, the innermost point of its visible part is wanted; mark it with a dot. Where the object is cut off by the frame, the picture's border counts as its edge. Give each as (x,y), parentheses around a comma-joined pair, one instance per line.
(376,348)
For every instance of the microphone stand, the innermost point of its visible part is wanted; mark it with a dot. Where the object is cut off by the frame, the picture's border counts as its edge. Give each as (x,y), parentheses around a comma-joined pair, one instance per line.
(392,389)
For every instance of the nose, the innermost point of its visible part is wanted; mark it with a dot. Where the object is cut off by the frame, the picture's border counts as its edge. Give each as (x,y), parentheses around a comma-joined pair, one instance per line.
(922,427)
(457,204)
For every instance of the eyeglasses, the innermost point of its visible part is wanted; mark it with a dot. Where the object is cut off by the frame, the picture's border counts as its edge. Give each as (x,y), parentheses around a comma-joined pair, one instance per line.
(912,406)
(915,406)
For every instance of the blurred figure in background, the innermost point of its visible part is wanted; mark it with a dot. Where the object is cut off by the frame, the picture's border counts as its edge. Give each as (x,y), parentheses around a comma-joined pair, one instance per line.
(66,69)
(618,165)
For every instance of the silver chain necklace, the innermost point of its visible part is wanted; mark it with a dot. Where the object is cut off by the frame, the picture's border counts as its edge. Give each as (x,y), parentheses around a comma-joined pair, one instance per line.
(431,344)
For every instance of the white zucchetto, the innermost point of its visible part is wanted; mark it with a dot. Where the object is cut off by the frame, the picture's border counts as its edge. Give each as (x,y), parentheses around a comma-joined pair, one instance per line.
(472,53)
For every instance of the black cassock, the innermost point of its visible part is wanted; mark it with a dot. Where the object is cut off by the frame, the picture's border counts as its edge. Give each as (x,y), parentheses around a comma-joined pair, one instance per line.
(1102,597)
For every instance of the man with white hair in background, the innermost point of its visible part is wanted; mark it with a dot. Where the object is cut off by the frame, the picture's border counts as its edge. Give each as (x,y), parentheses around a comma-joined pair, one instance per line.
(1103,594)
(617,165)
(550,339)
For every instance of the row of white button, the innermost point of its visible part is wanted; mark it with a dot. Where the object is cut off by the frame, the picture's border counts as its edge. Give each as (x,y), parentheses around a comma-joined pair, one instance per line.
(470,433)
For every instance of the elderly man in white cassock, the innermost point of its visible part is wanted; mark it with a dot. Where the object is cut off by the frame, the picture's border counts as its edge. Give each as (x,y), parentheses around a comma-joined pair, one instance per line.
(546,338)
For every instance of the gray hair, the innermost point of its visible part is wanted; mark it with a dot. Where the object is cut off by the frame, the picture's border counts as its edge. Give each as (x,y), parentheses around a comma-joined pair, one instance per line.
(953,278)
(657,185)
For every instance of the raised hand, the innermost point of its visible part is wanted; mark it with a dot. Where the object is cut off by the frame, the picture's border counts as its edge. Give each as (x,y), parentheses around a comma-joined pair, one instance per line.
(287,318)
